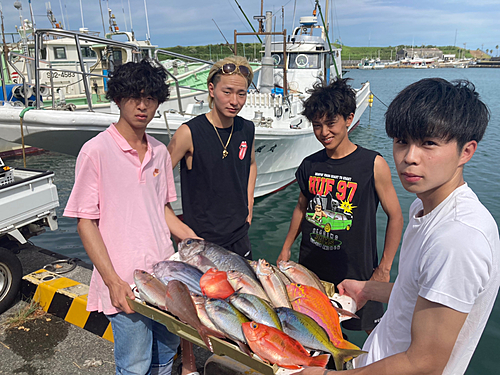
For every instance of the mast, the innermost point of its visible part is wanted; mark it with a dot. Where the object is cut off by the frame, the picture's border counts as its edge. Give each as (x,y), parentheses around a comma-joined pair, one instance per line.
(147,21)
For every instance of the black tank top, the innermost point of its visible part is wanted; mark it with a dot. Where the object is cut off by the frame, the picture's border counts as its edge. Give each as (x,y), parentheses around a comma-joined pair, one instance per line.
(215,190)
(339,230)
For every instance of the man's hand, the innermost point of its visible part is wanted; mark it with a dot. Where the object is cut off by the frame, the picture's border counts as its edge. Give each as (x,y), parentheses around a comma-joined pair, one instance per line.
(353,289)
(284,255)
(118,292)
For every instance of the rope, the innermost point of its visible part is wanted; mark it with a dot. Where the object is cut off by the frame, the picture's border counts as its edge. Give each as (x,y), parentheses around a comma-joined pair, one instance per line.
(380,100)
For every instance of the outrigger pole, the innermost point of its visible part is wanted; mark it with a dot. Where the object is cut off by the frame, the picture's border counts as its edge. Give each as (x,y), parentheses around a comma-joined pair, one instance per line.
(328,39)
(260,40)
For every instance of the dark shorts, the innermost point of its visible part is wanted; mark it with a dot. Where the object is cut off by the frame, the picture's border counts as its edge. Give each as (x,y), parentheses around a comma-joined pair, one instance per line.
(369,316)
(241,247)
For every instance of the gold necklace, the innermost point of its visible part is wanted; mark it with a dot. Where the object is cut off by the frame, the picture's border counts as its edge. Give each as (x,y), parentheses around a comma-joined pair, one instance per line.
(224,152)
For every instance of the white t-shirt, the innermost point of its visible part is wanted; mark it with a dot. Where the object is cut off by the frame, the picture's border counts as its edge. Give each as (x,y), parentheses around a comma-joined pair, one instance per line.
(449,256)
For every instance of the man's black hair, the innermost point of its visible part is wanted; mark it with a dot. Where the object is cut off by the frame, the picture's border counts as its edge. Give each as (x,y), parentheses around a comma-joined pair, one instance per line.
(436,108)
(136,80)
(337,98)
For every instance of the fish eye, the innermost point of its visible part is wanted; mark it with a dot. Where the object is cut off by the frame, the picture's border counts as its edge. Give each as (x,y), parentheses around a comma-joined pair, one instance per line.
(299,285)
(189,242)
(254,325)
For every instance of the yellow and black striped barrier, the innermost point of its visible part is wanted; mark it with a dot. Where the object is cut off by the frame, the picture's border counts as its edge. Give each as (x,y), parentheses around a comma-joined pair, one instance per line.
(66,299)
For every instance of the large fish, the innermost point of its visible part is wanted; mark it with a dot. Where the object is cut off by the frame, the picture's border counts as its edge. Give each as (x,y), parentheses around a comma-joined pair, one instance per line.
(256,309)
(300,274)
(277,347)
(214,284)
(151,290)
(199,303)
(314,303)
(305,330)
(168,270)
(272,284)
(242,283)
(286,280)
(228,319)
(224,260)
(180,304)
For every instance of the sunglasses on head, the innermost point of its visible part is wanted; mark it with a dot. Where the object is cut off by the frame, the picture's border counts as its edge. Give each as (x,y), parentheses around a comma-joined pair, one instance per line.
(231,68)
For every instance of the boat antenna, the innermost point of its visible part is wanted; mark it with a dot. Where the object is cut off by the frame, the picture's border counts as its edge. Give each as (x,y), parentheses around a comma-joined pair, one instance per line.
(102,19)
(32,16)
(147,21)
(328,39)
(62,14)
(241,9)
(227,43)
(81,12)
(124,17)
(130,15)
(294,8)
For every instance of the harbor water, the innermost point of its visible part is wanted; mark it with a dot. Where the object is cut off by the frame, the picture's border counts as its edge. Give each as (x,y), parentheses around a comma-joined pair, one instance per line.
(272,214)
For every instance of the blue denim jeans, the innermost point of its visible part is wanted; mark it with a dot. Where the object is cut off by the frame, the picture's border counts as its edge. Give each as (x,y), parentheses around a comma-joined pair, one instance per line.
(142,346)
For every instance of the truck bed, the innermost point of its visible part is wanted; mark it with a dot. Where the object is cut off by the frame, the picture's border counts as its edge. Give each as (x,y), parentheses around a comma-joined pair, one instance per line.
(30,198)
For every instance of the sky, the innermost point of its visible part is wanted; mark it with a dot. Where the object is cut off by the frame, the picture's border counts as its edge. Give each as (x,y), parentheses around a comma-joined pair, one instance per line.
(473,24)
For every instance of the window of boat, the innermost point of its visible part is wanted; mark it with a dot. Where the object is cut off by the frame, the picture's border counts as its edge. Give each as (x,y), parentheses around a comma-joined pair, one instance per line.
(278,59)
(43,52)
(59,53)
(304,61)
(145,53)
(87,52)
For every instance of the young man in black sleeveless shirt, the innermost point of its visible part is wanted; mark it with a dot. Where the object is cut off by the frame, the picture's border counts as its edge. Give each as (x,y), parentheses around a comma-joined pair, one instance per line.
(218,169)
(340,189)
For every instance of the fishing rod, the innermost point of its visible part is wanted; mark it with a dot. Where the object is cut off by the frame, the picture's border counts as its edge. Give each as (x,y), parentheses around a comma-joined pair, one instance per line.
(227,43)
(236,1)
(328,38)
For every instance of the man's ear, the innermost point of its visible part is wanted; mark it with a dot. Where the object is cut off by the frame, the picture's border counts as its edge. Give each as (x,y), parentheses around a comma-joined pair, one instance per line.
(467,151)
(349,119)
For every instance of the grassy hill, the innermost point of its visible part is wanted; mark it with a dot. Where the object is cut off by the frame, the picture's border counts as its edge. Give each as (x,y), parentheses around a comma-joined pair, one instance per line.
(252,51)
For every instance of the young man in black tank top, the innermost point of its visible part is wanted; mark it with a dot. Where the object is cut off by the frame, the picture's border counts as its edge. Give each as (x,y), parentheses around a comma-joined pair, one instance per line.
(218,168)
(341,187)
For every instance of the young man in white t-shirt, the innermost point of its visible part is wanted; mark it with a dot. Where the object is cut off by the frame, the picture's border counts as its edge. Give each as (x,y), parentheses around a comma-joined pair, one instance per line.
(450,256)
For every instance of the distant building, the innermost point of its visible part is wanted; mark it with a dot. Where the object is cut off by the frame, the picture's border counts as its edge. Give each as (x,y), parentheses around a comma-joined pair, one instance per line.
(449,58)
(422,53)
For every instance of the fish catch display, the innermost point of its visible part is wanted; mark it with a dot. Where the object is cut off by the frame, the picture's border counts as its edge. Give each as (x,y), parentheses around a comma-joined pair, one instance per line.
(224,260)
(277,347)
(168,270)
(283,319)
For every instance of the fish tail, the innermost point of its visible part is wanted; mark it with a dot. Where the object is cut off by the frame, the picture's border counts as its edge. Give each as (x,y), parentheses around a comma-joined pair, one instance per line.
(204,332)
(319,361)
(343,355)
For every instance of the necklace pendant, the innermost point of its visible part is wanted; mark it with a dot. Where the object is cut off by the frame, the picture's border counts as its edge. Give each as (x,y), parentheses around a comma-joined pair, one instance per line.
(224,154)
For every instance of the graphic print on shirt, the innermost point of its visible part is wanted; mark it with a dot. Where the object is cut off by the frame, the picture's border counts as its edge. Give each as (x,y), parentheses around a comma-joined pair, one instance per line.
(243,149)
(331,209)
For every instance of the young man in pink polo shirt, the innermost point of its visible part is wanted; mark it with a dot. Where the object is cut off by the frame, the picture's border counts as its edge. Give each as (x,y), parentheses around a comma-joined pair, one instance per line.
(121,197)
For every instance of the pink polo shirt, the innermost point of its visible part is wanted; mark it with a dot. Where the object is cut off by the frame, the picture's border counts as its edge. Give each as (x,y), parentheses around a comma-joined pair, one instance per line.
(128,199)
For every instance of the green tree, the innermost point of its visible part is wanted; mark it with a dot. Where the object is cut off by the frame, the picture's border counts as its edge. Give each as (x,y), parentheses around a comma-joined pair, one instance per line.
(497,49)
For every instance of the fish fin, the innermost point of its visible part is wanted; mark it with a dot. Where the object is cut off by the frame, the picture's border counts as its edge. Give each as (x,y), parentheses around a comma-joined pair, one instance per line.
(244,348)
(344,355)
(204,332)
(319,361)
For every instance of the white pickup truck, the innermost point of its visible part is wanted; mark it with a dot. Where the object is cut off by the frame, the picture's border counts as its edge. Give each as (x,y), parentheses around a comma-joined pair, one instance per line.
(28,201)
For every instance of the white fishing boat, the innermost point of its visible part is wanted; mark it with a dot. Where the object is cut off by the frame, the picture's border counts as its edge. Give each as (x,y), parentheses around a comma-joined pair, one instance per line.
(283,137)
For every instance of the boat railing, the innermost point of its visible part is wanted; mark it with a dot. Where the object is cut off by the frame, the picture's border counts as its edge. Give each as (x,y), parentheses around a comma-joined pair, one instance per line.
(39,35)
(178,87)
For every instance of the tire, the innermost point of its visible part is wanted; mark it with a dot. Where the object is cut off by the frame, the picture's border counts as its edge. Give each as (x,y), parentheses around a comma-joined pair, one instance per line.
(11,273)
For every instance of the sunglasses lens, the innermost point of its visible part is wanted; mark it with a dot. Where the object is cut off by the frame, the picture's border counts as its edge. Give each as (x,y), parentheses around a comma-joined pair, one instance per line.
(244,70)
(228,68)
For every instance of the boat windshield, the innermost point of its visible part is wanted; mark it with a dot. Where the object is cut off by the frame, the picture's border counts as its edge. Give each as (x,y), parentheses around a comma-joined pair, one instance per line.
(304,61)
(298,60)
